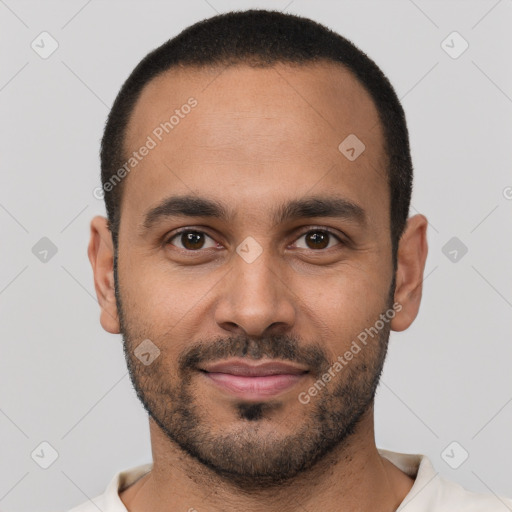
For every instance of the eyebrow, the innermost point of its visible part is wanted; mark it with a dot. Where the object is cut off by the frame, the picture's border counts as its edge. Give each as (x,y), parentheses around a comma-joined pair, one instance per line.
(312,206)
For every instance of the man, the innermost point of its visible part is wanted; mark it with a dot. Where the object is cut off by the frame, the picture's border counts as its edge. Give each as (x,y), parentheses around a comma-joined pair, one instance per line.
(257,253)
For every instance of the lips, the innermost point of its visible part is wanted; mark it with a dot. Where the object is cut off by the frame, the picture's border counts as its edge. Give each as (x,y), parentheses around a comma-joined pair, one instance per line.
(253,381)
(245,369)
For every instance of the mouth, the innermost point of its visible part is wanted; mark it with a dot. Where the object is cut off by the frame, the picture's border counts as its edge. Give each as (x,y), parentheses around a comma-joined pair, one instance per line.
(253,381)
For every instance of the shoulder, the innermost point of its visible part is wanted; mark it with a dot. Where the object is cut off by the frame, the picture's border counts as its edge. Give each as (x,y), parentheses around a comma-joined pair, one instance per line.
(110,501)
(431,492)
(451,496)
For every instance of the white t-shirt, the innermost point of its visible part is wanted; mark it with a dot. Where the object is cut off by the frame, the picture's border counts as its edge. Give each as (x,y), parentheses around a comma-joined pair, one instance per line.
(429,493)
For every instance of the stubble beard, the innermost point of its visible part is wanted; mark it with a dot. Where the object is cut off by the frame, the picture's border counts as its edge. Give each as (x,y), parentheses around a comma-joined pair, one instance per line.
(252,455)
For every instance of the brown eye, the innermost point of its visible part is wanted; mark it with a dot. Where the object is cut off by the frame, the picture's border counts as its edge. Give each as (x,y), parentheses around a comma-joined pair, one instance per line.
(191,240)
(318,239)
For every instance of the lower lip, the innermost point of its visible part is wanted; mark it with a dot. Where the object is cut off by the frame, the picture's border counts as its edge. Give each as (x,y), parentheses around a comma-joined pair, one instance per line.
(254,387)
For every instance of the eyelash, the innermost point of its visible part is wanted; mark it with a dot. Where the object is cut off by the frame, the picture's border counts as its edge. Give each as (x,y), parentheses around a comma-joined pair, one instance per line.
(310,230)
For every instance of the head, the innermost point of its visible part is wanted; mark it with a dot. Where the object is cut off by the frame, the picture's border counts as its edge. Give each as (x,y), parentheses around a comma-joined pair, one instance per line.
(262,216)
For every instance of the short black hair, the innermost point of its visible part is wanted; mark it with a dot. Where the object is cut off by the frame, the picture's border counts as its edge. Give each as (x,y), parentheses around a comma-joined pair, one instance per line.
(262,38)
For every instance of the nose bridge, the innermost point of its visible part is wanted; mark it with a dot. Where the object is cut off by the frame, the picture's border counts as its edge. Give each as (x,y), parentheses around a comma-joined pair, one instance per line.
(254,296)
(256,278)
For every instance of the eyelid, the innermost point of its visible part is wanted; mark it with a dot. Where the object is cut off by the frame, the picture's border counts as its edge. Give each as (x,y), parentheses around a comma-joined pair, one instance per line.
(174,234)
(340,238)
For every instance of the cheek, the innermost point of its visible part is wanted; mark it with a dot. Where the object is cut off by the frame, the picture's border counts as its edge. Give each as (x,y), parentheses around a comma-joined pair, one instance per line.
(167,307)
(153,292)
(343,305)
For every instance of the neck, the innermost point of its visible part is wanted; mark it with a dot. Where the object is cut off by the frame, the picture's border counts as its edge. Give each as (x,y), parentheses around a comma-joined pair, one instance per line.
(353,477)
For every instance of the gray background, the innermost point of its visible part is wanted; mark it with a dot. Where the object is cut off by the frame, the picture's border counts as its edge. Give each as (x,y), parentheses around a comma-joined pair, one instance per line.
(63,379)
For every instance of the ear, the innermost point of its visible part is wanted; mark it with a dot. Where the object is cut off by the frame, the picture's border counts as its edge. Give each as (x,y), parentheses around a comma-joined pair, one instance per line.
(101,256)
(411,257)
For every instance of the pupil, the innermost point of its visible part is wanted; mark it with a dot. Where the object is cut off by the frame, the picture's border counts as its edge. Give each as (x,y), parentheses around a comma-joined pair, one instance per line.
(320,240)
(192,240)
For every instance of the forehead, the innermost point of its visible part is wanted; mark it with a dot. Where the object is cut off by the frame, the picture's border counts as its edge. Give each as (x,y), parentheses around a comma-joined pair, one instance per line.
(322,93)
(270,129)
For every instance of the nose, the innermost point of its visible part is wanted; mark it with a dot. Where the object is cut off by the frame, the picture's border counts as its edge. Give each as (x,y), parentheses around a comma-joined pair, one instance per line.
(255,298)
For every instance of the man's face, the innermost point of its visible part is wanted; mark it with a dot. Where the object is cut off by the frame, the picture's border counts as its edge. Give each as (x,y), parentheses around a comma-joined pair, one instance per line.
(255,286)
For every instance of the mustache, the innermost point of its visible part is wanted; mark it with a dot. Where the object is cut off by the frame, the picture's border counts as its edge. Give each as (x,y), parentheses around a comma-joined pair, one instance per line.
(283,347)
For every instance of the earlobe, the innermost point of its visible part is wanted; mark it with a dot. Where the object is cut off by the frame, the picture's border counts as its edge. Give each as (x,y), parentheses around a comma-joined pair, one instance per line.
(411,258)
(101,256)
